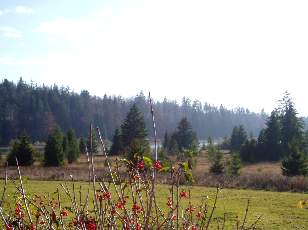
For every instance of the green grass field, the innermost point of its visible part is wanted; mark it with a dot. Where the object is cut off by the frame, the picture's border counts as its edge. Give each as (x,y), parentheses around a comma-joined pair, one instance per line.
(278,210)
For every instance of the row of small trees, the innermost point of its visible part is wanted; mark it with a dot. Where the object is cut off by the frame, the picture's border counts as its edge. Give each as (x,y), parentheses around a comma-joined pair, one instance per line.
(130,140)
(60,148)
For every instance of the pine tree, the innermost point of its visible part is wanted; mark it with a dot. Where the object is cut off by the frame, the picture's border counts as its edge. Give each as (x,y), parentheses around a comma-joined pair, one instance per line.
(54,154)
(242,135)
(209,141)
(234,142)
(217,166)
(306,142)
(235,164)
(261,146)
(173,147)
(72,147)
(292,126)
(185,136)
(65,145)
(117,146)
(134,133)
(295,163)
(238,138)
(166,142)
(82,146)
(211,149)
(225,143)
(249,151)
(272,135)
(23,151)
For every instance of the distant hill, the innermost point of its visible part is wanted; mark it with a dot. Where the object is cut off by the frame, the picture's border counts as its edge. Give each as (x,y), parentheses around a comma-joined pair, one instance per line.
(39,109)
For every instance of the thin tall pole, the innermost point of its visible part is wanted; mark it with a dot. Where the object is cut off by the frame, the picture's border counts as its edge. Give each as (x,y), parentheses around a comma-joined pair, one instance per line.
(154,126)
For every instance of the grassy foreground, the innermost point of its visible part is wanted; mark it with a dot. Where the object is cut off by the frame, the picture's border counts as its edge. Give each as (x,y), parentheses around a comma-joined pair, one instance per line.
(278,210)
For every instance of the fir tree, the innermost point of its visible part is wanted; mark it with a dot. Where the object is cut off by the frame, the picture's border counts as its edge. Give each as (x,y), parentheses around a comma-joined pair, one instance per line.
(238,138)
(272,142)
(211,149)
(117,146)
(235,164)
(185,136)
(209,141)
(217,166)
(295,163)
(306,142)
(173,147)
(23,151)
(72,146)
(249,151)
(225,143)
(261,146)
(166,142)
(134,133)
(54,154)
(64,145)
(292,126)
(82,145)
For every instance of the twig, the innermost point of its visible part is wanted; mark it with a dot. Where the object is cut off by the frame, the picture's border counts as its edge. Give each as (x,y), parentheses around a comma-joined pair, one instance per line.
(5,223)
(23,192)
(213,209)
(45,215)
(60,208)
(253,226)
(5,186)
(245,217)
(224,222)
(110,171)
(177,198)
(93,171)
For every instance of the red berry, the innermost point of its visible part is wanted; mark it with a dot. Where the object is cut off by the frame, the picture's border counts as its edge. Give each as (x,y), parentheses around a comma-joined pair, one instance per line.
(157,165)
(136,208)
(183,194)
(140,165)
(63,212)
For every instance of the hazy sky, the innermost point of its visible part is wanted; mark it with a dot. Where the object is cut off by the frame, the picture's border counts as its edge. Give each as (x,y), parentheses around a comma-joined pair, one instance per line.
(236,53)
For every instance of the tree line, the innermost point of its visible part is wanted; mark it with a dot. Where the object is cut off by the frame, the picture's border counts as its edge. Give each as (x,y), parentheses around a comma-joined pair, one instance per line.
(284,138)
(130,141)
(40,109)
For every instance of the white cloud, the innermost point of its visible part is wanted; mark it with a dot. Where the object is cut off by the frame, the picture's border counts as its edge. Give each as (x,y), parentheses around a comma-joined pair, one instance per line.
(18,10)
(23,10)
(10,32)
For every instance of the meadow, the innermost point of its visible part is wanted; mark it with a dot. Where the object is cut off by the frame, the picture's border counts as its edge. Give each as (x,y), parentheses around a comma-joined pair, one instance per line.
(278,210)
(271,209)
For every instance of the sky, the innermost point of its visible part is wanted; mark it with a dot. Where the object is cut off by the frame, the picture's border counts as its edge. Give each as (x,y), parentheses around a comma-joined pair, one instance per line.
(235,53)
